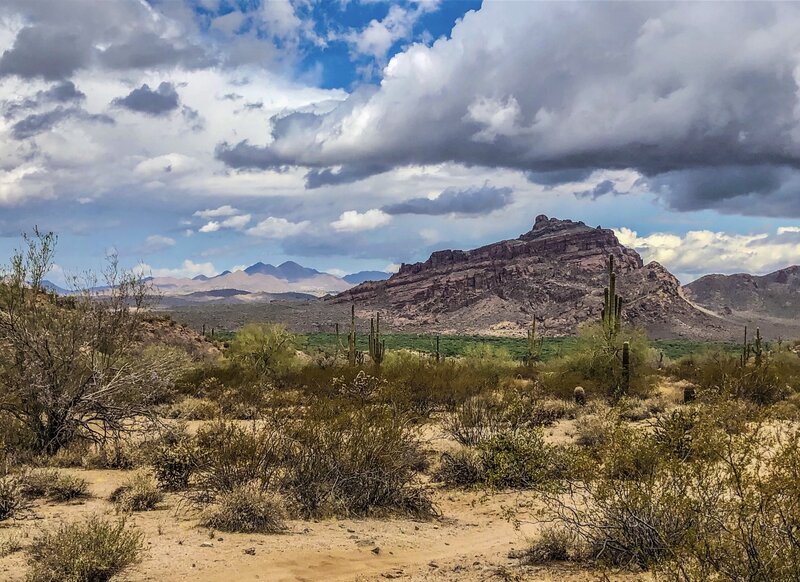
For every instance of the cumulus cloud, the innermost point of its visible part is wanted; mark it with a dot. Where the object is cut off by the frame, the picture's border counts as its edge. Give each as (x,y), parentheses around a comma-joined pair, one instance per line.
(703,251)
(38,122)
(469,201)
(234,222)
(678,94)
(277,228)
(49,52)
(226,210)
(144,100)
(354,221)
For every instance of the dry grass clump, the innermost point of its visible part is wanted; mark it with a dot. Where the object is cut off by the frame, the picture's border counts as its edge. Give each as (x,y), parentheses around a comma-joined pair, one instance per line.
(245,509)
(139,492)
(93,550)
(52,484)
(554,544)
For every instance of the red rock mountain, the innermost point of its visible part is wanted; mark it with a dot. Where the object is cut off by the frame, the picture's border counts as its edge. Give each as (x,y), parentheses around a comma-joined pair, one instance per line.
(556,271)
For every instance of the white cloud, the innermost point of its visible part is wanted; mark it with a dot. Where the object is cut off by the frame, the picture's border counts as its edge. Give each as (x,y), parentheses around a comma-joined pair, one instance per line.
(226,210)
(187,269)
(702,251)
(157,242)
(354,221)
(392,268)
(337,272)
(788,229)
(277,228)
(234,222)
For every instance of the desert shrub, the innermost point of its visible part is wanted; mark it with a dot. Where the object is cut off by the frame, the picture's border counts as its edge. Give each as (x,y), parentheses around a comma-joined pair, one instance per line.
(673,432)
(595,364)
(554,544)
(354,462)
(268,349)
(138,493)
(67,487)
(174,463)
(191,408)
(11,497)
(363,387)
(90,551)
(245,510)
(777,377)
(461,468)
(71,367)
(730,513)
(517,459)
(54,485)
(473,421)
(232,455)
(593,430)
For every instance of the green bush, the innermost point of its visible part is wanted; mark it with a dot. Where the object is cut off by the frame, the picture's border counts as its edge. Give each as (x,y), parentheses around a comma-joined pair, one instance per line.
(245,510)
(268,349)
(517,459)
(90,551)
(67,487)
(596,364)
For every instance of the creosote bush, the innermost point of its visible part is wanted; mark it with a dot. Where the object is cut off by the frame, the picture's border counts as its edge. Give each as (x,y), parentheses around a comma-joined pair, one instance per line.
(93,550)
(11,497)
(245,509)
(354,462)
(461,468)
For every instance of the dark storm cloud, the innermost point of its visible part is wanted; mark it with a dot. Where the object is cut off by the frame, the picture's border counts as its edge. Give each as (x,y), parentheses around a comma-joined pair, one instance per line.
(39,122)
(678,90)
(344,175)
(471,201)
(556,177)
(144,100)
(603,188)
(48,52)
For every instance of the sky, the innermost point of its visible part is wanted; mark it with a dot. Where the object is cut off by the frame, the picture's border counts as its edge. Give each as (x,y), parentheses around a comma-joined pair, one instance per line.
(195,136)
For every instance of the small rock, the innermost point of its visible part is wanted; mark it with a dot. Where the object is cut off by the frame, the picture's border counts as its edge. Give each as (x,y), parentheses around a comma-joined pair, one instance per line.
(397,573)
(219,539)
(351,531)
(206,545)
(376,550)
(250,551)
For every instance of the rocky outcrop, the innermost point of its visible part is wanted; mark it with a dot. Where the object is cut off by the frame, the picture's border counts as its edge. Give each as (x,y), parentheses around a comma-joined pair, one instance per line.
(776,295)
(556,271)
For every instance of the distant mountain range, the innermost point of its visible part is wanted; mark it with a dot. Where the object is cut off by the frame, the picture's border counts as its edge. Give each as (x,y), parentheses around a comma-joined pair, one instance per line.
(258,282)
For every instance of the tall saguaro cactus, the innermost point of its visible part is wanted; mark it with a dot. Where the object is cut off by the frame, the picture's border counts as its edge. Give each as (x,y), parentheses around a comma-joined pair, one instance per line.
(534,348)
(351,338)
(377,347)
(612,303)
(757,349)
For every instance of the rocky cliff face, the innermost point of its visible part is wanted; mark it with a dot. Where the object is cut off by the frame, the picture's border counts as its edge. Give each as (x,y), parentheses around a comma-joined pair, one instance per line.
(556,271)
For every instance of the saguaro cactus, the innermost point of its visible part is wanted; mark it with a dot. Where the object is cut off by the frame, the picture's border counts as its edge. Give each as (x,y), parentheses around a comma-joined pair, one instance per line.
(612,303)
(757,350)
(351,338)
(377,347)
(534,348)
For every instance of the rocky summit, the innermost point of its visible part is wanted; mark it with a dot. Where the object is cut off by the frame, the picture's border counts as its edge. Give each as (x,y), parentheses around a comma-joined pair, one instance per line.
(556,272)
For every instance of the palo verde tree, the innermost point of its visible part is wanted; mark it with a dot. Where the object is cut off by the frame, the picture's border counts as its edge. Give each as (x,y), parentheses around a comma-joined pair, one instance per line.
(71,367)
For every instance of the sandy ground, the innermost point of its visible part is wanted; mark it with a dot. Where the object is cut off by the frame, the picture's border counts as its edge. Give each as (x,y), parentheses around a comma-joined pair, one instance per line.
(471,542)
